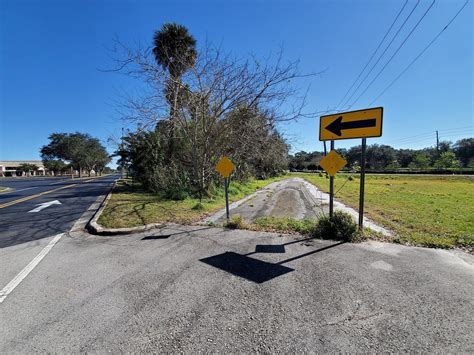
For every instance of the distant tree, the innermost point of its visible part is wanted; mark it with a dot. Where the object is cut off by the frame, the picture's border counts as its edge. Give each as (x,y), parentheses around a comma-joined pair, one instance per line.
(420,161)
(55,165)
(445,146)
(394,165)
(81,150)
(27,168)
(447,160)
(464,150)
(405,157)
(353,156)
(379,156)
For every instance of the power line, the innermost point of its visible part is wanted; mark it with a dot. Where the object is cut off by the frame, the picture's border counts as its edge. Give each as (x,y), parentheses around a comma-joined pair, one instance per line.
(454,135)
(394,54)
(383,53)
(419,55)
(430,133)
(373,54)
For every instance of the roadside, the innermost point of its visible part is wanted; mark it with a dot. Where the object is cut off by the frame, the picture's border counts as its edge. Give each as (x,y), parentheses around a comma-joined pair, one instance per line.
(130,206)
(411,210)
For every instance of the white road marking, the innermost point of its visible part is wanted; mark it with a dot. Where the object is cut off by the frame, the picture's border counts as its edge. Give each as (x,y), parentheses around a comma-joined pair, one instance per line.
(13,190)
(28,268)
(42,206)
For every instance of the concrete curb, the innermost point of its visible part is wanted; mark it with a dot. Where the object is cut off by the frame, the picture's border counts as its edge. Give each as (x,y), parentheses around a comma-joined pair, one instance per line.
(95,228)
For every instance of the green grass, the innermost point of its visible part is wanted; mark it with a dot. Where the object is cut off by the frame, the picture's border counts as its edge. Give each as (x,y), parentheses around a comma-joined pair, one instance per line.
(285,224)
(433,211)
(129,206)
(273,224)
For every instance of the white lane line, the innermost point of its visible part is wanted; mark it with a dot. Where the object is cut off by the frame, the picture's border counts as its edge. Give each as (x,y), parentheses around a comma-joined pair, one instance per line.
(28,268)
(13,190)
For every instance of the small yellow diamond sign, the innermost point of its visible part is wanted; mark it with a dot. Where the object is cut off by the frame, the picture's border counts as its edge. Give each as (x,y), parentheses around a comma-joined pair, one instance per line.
(225,167)
(332,163)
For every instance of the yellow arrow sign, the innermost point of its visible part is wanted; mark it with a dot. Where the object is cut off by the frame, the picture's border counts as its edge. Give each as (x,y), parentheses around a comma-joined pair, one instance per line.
(332,163)
(354,124)
(225,167)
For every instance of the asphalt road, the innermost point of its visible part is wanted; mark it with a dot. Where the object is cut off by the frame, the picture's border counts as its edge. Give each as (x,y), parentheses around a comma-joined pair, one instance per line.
(202,289)
(23,233)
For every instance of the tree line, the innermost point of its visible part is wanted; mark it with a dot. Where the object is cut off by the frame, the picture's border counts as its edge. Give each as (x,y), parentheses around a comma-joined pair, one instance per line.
(199,105)
(77,151)
(383,157)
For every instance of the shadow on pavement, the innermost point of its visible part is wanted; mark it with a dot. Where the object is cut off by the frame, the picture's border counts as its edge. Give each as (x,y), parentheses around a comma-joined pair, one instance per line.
(243,266)
(256,270)
(152,237)
(270,249)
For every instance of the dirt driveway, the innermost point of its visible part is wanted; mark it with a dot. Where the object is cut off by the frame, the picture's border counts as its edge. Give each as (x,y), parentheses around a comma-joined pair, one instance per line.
(288,198)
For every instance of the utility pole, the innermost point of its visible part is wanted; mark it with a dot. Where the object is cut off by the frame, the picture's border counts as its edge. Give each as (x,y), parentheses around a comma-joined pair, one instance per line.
(437,143)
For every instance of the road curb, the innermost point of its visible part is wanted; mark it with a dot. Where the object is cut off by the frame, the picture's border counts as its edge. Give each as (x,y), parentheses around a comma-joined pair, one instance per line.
(95,228)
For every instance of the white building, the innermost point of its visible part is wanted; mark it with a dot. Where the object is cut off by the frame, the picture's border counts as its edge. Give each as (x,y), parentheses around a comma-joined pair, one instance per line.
(10,167)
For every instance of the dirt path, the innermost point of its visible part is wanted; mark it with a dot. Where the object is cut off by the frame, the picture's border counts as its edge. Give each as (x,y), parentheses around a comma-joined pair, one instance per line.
(294,198)
(287,198)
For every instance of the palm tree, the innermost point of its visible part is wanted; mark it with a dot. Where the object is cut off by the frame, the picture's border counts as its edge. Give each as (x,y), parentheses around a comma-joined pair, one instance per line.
(175,50)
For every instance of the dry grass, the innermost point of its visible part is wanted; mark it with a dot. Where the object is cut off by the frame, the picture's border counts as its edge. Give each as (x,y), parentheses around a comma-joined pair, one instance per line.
(129,206)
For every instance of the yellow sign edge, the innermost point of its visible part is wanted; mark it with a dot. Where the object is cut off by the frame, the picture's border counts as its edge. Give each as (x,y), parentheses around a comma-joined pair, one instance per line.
(343,113)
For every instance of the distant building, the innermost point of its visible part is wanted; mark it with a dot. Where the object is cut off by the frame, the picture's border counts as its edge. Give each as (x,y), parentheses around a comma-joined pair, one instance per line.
(10,167)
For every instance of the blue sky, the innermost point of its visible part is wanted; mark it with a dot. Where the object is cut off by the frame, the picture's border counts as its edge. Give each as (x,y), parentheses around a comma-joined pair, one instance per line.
(50,53)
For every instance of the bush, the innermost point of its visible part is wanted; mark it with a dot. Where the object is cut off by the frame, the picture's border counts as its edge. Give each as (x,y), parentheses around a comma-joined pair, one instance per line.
(340,227)
(236,222)
(198,206)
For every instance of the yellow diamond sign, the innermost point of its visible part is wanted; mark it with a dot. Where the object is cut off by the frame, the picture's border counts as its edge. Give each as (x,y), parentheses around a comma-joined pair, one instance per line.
(332,163)
(225,167)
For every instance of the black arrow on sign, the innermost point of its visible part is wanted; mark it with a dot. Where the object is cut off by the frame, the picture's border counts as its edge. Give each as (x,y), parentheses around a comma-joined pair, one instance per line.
(337,125)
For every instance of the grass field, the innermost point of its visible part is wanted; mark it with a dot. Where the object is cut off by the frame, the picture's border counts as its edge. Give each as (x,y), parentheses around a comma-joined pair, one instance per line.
(130,206)
(435,211)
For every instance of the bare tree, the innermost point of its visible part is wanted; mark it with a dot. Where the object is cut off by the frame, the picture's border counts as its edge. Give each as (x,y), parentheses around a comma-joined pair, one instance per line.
(216,93)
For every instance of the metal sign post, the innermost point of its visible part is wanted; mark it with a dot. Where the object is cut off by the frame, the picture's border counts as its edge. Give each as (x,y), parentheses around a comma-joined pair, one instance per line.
(348,125)
(226,189)
(225,167)
(362,184)
(331,189)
